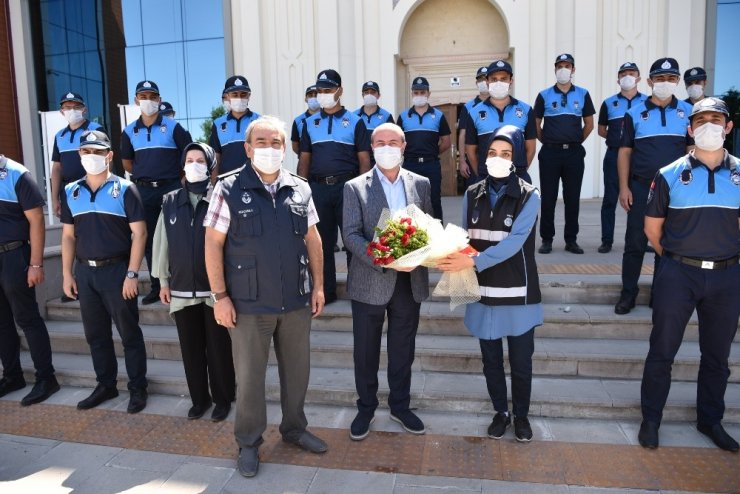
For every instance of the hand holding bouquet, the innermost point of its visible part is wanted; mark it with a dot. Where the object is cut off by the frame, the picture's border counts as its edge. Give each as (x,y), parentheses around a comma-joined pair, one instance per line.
(398,238)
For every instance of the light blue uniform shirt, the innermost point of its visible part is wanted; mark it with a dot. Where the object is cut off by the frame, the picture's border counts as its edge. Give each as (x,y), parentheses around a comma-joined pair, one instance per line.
(489,322)
(394,192)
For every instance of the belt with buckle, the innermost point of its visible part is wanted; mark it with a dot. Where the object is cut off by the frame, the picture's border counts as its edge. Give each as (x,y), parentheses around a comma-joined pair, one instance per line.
(422,160)
(155,183)
(563,145)
(333,179)
(642,180)
(99,263)
(699,263)
(12,245)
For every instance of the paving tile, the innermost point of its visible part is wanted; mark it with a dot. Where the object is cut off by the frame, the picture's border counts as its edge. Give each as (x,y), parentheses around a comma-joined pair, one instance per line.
(327,481)
(111,480)
(499,486)
(586,431)
(274,478)
(196,478)
(147,461)
(671,434)
(420,483)
(15,455)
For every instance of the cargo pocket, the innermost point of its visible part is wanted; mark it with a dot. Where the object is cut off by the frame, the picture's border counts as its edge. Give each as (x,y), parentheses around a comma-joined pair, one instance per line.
(241,276)
(304,279)
(248,223)
(299,215)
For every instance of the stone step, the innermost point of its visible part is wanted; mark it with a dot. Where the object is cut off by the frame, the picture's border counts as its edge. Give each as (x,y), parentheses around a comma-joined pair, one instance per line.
(593,358)
(561,321)
(551,397)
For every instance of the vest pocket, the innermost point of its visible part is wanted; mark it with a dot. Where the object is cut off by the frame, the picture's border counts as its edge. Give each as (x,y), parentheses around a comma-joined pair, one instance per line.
(249,223)
(299,215)
(304,280)
(241,277)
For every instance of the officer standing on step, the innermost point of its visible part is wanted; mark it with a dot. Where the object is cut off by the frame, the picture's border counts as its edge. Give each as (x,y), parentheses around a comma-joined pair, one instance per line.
(466,169)
(692,220)
(653,135)
(370,112)
(696,82)
(427,136)
(22,233)
(166,109)
(104,229)
(297,128)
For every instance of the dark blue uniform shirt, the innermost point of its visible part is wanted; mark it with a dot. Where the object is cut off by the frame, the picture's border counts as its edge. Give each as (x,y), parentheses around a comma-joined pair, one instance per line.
(18,193)
(297,127)
(101,218)
(154,150)
(423,132)
(657,135)
(462,119)
(380,116)
(67,147)
(562,114)
(485,118)
(227,138)
(700,207)
(612,113)
(334,141)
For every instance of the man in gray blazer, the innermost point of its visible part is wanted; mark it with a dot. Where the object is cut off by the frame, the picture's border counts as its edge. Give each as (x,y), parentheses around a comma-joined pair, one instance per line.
(375,290)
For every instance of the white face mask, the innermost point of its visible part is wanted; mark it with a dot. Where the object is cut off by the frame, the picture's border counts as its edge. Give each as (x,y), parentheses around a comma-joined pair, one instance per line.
(563,75)
(419,100)
(696,91)
(499,89)
(227,105)
(74,117)
(664,90)
(267,160)
(370,100)
(498,167)
(148,107)
(326,100)
(628,82)
(387,157)
(195,172)
(482,86)
(239,105)
(709,137)
(313,104)
(94,164)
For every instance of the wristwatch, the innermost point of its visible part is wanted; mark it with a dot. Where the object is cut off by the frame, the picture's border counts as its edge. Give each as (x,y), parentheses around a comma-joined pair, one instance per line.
(132,275)
(218,296)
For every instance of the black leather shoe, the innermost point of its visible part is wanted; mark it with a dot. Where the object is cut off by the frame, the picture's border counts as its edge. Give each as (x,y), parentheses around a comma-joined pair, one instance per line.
(98,396)
(719,436)
(604,248)
(545,248)
(410,422)
(10,385)
(648,435)
(137,400)
(360,427)
(150,298)
(41,391)
(309,442)
(625,305)
(248,462)
(197,411)
(220,412)
(573,248)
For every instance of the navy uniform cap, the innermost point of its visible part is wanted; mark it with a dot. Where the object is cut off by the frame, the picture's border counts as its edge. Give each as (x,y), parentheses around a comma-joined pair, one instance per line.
(565,57)
(95,139)
(74,97)
(665,66)
(328,79)
(236,83)
(695,74)
(710,104)
(628,66)
(165,108)
(482,72)
(419,83)
(311,89)
(147,86)
(371,85)
(500,66)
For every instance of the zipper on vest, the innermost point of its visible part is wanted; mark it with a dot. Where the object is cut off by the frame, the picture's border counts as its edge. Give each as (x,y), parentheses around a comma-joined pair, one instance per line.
(280,255)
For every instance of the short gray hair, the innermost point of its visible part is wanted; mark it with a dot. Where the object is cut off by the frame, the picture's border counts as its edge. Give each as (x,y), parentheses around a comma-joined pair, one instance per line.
(267,122)
(388,126)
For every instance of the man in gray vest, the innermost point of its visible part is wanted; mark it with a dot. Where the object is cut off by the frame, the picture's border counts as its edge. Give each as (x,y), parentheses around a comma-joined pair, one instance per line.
(260,228)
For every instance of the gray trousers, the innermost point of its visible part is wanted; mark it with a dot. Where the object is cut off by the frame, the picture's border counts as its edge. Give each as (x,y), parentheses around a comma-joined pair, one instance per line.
(250,346)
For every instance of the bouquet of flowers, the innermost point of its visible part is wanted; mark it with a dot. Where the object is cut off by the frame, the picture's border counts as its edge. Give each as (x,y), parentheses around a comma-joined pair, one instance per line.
(410,238)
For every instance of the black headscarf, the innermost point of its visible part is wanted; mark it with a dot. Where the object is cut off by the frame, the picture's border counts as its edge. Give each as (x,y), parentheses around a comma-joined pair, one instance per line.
(514,136)
(210,154)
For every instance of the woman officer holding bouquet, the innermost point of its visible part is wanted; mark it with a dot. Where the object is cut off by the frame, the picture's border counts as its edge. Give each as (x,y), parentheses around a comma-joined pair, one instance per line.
(500,214)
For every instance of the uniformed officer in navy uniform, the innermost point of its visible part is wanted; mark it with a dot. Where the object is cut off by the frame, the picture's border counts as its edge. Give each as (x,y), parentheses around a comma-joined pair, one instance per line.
(150,151)
(166,109)
(427,136)
(565,118)
(104,228)
(227,133)
(263,258)
(370,112)
(692,220)
(611,115)
(312,105)
(462,124)
(499,109)
(335,147)
(696,82)
(66,166)
(21,269)
(653,135)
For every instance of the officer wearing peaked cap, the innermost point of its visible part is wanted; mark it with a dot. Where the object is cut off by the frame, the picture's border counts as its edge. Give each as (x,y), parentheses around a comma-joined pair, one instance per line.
(696,82)
(462,123)
(166,109)
(297,128)
(372,114)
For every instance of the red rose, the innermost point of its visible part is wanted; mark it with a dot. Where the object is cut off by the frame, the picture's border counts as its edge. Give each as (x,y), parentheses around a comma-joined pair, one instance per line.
(405,240)
(411,229)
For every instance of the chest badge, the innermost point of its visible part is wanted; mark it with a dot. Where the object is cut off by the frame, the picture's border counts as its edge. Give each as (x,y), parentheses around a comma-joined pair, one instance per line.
(246,198)
(645,115)
(434,116)
(116,190)
(296,197)
(518,112)
(686,176)
(554,105)
(163,129)
(173,220)
(576,105)
(615,103)
(316,122)
(482,114)
(345,122)
(508,221)
(680,114)
(735,177)
(76,193)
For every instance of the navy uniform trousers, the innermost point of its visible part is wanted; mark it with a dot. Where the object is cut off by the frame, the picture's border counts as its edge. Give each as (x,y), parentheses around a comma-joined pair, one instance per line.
(556,165)
(151,197)
(635,240)
(677,290)
(611,195)
(433,171)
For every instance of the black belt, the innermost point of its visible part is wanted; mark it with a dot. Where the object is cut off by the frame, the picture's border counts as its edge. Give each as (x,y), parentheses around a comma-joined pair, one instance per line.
(333,179)
(698,263)
(156,183)
(563,145)
(422,159)
(642,180)
(99,263)
(12,245)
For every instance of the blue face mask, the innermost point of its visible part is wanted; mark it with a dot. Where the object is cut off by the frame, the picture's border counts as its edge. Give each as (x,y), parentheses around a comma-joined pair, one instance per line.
(313,104)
